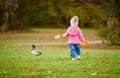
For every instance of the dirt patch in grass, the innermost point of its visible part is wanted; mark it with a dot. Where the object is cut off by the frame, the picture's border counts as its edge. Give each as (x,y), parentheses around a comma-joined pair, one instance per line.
(49,36)
(46,35)
(90,46)
(102,46)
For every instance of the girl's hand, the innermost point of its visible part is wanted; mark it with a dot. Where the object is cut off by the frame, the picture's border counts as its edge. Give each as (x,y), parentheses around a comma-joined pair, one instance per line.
(85,43)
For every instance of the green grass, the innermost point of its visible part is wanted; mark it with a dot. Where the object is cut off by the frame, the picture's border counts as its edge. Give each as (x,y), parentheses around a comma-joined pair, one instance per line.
(89,29)
(61,29)
(26,37)
(20,63)
(48,29)
(30,36)
(17,61)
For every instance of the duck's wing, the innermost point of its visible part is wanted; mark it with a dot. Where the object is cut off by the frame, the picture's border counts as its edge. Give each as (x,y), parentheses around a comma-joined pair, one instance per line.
(35,52)
(38,51)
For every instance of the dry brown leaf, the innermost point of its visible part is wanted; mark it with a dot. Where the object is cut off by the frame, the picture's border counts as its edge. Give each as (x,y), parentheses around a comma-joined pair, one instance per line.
(102,60)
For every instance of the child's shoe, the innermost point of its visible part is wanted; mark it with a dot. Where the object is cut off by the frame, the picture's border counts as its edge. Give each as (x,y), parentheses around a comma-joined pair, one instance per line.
(73,59)
(78,57)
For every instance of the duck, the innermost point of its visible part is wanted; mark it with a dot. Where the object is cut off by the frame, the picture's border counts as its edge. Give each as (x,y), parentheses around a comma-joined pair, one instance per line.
(35,52)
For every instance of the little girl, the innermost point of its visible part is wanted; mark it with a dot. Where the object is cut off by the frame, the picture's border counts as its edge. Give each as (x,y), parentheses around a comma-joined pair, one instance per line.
(75,37)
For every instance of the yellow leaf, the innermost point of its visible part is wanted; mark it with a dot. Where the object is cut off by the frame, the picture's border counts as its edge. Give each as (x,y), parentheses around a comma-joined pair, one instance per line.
(49,72)
(93,74)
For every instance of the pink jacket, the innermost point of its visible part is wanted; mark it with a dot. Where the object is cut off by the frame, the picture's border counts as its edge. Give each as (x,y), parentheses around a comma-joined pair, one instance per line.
(74,35)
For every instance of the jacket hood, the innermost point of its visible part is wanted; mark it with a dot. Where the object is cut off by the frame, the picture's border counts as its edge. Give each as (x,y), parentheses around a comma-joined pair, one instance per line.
(74,21)
(73,30)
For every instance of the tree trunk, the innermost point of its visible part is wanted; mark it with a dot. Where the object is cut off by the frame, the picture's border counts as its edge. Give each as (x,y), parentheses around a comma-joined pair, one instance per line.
(11,21)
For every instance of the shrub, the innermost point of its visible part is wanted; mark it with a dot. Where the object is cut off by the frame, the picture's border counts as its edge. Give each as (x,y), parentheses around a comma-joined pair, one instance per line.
(103,32)
(114,33)
(111,32)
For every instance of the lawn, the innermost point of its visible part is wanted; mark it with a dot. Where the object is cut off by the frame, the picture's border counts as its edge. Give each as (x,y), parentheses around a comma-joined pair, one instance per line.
(17,61)
(56,63)
(34,35)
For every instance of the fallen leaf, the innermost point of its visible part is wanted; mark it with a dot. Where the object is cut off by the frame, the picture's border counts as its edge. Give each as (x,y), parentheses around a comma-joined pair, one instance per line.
(93,74)
(32,72)
(49,72)
(102,60)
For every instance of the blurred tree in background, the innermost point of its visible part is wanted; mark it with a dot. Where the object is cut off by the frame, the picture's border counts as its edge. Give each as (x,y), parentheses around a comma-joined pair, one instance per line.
(54,13)
(1,12)
(11,20)
(111,27)
(114,28)
(18,14)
